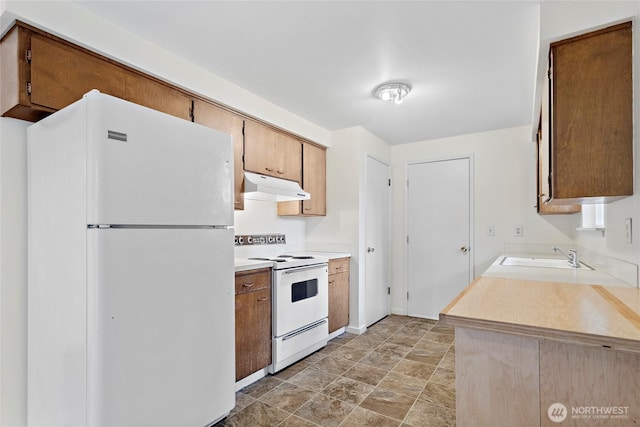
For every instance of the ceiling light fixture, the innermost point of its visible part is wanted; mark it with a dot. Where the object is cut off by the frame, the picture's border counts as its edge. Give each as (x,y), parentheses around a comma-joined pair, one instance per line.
(392,91)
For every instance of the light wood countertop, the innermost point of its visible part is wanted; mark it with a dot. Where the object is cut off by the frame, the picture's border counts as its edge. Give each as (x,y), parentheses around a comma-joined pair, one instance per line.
(588,314)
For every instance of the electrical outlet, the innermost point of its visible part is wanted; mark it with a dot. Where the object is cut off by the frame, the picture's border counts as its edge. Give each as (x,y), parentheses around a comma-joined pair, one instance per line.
(491,230)
(627,230)
(518,231)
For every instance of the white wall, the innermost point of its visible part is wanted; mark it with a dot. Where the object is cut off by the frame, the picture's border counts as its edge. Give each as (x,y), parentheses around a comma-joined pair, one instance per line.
(13,272)
(259,217)
(343,228)
(504,184)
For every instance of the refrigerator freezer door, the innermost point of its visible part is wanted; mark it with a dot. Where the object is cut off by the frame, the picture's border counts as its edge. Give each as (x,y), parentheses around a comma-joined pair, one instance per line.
(146,167)
(160,327)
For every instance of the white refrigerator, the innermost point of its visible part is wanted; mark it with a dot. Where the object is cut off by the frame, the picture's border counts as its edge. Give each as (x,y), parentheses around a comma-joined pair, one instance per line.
(131,281)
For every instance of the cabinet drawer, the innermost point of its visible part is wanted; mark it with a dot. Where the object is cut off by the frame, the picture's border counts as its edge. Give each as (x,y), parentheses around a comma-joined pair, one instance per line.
(338,265)
(253,280)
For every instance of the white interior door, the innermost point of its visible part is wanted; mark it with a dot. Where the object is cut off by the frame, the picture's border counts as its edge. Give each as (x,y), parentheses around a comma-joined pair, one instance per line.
(377,241)
(160,326)
(439,261)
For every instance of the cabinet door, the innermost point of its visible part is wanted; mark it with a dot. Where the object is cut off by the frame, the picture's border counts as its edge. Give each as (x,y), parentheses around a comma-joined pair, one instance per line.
(158,96)
(225,121)
(544,190)
(61,74)
(253,332)
(592,122)
(288,157)
(272,153)
(314,160)
(14,99)
(338,300)
(259,148)
(314,178)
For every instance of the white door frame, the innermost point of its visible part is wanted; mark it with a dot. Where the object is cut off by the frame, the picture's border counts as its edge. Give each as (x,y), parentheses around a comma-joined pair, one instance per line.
(405,248)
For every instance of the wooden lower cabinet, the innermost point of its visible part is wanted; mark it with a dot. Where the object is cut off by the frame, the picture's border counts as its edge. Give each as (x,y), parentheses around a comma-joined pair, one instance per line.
(253,321)
(506,379)
(338,293)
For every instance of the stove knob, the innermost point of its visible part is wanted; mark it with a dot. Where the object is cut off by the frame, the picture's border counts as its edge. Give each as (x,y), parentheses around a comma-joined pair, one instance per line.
(249,240)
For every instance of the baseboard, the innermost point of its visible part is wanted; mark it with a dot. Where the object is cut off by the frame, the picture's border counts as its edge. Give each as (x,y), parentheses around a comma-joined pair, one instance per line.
(337,332)
(248,380)
(358,331)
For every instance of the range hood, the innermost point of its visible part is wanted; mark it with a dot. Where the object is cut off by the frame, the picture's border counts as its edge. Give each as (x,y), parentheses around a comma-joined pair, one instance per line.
(268,188)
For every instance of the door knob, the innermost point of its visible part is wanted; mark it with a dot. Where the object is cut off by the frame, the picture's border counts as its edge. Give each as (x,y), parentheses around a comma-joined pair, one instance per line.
(370,249)
(464,249)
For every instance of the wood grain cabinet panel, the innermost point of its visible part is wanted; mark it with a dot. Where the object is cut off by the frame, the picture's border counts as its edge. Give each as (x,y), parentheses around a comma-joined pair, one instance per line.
(158,96)
(225,121)
(591,377)
(314,178)
(253,322)
(338,293)
(61,74)
(272,153)
(16,72)
(592,117)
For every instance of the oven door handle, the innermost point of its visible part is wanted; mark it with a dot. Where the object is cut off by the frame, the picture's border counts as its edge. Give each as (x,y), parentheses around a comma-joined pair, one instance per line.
(297,270)
(303,330)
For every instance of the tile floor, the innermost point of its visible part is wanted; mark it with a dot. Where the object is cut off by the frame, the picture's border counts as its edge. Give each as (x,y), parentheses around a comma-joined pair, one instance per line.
(398,373)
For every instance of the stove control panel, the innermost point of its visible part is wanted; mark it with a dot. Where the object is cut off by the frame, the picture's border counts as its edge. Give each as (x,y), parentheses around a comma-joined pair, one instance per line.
(260,239)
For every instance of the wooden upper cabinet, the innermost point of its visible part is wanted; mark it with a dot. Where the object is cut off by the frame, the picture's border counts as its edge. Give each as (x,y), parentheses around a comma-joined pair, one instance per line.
(314,178)
(591,117)
(156,95)
(543,169)
(15,72)
(225,121)
(61,74)
(269,152)
(42,73)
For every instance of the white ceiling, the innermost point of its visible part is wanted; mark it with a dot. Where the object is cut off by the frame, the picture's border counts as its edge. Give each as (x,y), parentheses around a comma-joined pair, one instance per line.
(472,64)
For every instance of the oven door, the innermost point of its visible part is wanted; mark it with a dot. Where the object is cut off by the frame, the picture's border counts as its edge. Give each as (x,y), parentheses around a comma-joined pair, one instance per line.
(301,297)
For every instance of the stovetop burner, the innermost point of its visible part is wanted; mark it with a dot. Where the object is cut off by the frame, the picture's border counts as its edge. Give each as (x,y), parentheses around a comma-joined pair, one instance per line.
(297,256)
(290,261)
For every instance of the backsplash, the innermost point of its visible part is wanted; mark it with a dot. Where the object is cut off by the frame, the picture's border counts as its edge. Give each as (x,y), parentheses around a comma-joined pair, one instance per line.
(618,268)
(261,219)
(259,239)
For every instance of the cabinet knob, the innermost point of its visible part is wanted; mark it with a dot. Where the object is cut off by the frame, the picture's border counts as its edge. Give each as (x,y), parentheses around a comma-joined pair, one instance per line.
(280,172)
(263,299)
(370,249)
(464,249)
(268,169)
(247,285)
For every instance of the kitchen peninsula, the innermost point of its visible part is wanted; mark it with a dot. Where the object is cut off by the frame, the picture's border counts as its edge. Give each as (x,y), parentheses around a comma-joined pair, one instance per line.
(534,353)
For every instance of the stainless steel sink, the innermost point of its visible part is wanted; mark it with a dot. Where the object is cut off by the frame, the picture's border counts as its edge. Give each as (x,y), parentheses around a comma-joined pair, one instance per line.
(515,261)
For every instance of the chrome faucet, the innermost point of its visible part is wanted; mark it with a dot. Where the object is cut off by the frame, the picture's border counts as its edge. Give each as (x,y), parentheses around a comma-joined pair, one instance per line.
(572,256)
